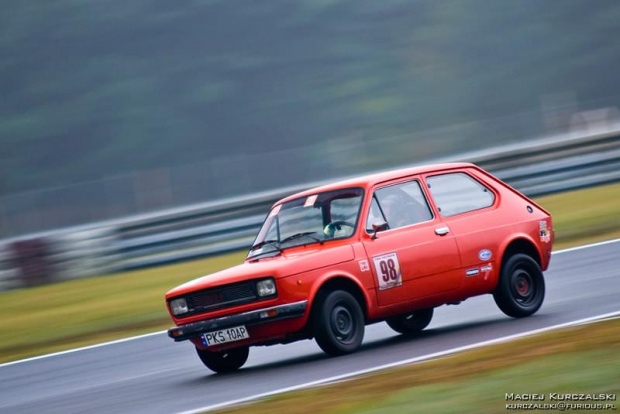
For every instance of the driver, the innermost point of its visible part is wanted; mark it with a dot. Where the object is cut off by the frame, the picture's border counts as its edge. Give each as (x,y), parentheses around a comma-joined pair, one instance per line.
(337,225)
(395,210)
(329,231)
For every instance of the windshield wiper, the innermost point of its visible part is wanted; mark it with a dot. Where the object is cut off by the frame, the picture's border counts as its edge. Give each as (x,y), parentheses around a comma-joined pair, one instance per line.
(307,234)
(274,243)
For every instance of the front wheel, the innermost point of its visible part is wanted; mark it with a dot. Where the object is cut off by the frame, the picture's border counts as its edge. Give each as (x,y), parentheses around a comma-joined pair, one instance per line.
(224,361)
(521,288)
(411,323)
(338,323)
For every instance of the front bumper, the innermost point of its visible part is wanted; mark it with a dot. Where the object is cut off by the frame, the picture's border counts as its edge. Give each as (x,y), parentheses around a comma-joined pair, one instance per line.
(259,316)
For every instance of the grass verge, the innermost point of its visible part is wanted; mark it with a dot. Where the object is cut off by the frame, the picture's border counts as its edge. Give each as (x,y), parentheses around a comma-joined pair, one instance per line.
(584,216)
(87,311)
(80,312)
(584,359)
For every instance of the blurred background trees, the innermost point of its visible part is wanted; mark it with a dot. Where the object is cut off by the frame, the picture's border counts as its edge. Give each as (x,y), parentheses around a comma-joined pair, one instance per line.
(110,108)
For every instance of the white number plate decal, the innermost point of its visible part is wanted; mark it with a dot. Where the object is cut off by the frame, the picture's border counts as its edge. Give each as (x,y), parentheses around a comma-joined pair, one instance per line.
(225,335)
(388,271)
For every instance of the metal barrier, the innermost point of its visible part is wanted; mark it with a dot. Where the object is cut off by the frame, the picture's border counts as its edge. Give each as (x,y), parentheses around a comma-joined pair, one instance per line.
(535,168)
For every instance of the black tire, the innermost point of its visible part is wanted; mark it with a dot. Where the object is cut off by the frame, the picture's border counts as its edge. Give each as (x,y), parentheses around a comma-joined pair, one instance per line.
(521,288)
(338,323)
(411,323)
(224,361)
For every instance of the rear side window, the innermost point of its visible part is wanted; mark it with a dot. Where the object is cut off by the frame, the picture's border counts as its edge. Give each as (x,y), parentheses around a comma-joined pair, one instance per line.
(457,193)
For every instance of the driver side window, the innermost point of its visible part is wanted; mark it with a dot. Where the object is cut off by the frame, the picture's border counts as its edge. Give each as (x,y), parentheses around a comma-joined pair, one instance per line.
(374,215)
(401,204)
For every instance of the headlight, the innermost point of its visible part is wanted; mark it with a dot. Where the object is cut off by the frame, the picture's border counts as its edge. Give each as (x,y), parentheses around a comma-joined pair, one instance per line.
(266,287)
(178,306)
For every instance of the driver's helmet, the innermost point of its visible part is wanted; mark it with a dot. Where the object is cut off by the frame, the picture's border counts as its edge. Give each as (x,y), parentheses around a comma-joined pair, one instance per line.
(395,210)
(329,231)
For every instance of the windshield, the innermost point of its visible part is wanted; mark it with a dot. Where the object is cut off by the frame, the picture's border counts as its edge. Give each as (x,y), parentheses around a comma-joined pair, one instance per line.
(331,215)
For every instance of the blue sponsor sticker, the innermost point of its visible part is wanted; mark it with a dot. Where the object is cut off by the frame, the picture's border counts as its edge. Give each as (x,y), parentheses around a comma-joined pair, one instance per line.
(485,254)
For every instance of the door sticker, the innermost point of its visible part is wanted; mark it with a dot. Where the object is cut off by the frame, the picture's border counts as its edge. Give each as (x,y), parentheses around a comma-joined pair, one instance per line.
(388,271)
(364,266)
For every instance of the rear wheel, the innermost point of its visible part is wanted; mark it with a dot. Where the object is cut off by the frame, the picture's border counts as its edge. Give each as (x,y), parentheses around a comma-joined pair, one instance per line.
(224,361)
(338,323)
(521,288)
(411,323)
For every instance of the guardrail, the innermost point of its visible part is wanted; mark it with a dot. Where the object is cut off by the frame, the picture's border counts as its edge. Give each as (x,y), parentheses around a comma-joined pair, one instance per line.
(535,168)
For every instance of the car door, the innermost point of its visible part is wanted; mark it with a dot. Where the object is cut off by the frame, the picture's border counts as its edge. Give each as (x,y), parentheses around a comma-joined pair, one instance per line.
(467,206)
(415,256)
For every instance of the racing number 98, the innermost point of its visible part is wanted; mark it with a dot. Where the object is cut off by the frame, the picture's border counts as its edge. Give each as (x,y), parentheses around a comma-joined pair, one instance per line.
(388,270)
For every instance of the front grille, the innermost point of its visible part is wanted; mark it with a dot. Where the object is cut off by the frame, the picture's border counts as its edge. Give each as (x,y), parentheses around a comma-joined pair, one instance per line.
(222,297)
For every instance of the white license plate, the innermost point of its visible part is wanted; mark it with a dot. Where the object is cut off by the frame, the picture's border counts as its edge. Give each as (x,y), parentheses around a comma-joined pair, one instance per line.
(225,335)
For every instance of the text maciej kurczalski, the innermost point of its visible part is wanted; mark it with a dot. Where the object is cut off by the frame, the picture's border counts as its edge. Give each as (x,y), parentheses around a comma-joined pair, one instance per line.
(555,396)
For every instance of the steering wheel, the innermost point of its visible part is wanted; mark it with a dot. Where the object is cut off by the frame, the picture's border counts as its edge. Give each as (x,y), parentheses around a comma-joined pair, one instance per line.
(331,228)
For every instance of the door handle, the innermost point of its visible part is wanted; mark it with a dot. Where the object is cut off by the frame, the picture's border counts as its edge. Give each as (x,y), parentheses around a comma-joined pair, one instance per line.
(442,231)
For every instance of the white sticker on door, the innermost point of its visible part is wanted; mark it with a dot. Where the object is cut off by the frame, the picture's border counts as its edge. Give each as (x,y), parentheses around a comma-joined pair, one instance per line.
(364,267)
(388,271)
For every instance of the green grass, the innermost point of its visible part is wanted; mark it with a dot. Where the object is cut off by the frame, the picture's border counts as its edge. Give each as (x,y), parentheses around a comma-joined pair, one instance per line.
(584,216)
(86,311)
(577,360)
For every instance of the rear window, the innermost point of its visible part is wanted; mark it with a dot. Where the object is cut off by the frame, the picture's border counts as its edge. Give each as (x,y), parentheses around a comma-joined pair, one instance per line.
(457,193)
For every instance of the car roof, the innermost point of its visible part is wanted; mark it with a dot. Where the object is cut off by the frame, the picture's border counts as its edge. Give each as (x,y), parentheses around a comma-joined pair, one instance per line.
(368,181)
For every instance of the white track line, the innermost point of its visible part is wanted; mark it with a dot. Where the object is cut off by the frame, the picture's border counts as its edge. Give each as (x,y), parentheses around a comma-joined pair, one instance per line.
(70,351)
(118,341)
(415,360)
(586,246)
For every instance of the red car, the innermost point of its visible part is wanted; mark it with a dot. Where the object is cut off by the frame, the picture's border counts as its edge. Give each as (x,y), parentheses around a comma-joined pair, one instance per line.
(385,247)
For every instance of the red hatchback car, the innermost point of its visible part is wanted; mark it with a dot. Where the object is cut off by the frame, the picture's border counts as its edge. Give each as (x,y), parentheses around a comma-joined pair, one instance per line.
(385,247)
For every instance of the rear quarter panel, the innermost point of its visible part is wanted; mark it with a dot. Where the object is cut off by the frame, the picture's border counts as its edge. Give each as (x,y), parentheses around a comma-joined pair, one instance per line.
(493,229)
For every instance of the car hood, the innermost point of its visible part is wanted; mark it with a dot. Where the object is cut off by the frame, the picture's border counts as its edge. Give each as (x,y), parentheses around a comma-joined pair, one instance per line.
(287,264)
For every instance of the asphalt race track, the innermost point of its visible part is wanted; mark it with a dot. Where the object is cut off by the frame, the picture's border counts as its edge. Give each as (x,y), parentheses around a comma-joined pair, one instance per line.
(152,374)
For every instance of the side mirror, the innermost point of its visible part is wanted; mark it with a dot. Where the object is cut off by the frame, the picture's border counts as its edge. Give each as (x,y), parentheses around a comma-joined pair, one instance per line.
(377,227)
